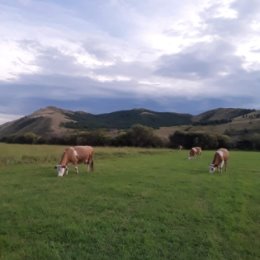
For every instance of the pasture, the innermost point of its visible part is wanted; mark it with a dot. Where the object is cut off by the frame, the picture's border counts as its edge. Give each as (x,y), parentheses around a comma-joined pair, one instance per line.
(138,204)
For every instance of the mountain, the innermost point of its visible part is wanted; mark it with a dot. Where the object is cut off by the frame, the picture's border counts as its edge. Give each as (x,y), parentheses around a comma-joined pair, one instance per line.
(220,115)
(43,122)
(125,119)
(53,121)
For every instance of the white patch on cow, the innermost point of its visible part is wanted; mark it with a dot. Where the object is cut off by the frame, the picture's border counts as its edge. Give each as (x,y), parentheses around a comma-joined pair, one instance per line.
(75,153)
(60,170)
(222,164)
(221,154)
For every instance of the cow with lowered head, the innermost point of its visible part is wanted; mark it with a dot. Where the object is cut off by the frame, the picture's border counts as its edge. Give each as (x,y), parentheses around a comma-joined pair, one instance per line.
(75,155)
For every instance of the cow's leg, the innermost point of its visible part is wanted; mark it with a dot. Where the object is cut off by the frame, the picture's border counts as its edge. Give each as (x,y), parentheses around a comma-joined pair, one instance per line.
(77,169)
(222,164)
(67,170)
(225,166)
(87,165)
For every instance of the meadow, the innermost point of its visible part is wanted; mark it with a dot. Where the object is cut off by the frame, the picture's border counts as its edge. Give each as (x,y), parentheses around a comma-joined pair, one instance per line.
(138,204)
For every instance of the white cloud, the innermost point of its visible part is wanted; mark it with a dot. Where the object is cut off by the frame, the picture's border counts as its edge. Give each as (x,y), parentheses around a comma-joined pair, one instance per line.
(105,78)
(15,61)
(153,48)
(223,9)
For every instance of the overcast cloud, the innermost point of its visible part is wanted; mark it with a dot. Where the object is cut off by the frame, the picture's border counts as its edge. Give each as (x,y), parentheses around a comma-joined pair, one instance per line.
(104,55)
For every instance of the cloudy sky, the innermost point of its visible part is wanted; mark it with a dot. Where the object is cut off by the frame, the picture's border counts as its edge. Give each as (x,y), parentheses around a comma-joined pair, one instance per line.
(100,56)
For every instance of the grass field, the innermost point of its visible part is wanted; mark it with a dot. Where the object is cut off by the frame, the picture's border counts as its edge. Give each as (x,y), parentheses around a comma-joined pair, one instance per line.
(138,204)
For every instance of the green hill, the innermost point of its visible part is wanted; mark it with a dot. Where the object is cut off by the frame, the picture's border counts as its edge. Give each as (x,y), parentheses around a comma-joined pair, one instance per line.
(126,119)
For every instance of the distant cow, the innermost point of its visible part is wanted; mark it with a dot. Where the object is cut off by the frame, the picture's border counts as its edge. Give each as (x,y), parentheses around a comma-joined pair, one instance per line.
(219,161)
(76,155)
(180,147)
(194,152)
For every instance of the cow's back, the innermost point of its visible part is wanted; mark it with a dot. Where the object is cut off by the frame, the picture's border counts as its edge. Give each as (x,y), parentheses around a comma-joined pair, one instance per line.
(198,149)
(225,153)
(84,152)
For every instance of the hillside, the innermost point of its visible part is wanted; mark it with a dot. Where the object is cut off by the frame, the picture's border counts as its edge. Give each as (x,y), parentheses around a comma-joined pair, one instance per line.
(219,115)
(43,122)
(55,121)
(52,121)
(244,125)
(125,119)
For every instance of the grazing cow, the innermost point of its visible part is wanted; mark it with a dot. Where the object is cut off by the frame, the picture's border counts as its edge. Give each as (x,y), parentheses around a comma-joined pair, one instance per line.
(219,160)
(194,152)
(75,155)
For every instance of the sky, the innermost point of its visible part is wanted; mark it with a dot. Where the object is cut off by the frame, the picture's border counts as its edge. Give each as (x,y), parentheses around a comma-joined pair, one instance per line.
(101,56)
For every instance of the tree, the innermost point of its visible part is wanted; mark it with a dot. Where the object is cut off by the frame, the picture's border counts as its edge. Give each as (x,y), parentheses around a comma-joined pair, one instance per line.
(92,138)
(140,136)
(205,140)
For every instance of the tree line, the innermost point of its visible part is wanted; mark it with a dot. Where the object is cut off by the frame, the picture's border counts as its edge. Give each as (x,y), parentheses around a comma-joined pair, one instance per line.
(142,136)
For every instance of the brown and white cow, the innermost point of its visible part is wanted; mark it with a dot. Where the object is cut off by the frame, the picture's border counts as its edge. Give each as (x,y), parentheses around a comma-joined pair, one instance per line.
(75,155)
(219,161)
(194,152)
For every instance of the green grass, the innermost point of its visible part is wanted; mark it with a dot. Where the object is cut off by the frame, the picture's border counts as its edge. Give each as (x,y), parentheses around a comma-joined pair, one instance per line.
(138,204)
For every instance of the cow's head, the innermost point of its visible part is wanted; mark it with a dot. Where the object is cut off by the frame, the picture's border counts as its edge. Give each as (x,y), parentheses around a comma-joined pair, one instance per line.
(212,168)
(61,170)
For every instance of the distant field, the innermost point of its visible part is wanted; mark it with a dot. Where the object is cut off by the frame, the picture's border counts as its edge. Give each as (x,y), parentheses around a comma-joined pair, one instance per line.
(138,204)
